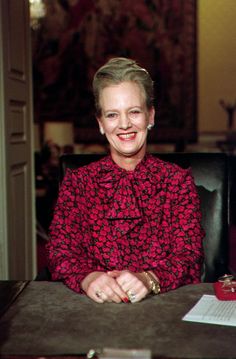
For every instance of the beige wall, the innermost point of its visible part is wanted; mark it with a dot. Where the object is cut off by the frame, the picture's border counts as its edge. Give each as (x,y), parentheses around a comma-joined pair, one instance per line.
(216,62)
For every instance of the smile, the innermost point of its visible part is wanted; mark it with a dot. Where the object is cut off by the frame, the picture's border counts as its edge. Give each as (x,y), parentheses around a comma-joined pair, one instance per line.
(127,136)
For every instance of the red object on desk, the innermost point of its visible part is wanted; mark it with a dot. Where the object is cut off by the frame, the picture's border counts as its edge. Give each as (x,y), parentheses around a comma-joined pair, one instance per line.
(224,292)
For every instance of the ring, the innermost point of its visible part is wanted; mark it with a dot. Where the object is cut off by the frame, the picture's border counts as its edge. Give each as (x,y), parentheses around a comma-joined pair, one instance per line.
(98,293)
(131,296)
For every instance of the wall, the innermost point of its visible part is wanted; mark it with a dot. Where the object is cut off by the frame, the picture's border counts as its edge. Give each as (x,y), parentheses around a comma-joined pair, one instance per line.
(216,32)
(216,62)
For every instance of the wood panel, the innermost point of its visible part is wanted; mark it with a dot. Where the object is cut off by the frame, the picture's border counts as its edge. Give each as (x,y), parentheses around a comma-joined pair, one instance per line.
(18,144)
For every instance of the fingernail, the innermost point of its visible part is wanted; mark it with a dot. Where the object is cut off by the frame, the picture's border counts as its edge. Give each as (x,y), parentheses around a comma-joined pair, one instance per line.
(125,300)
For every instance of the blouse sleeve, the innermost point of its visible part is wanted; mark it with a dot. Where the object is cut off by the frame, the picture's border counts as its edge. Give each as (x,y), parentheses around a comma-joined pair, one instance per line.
(184,261)
(67,256)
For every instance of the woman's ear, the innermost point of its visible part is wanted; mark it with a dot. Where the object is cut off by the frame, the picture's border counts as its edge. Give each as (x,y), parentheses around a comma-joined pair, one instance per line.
(151,120)
(100,127)
(101,131)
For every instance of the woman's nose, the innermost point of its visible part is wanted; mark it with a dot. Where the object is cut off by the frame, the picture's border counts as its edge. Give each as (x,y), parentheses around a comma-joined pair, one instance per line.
(124,121)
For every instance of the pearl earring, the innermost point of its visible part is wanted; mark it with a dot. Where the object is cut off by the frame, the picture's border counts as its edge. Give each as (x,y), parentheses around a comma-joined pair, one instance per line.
(149,127)
(101,131)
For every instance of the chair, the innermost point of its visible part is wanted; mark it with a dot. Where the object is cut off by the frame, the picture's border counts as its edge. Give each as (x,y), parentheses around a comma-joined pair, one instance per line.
(210,172)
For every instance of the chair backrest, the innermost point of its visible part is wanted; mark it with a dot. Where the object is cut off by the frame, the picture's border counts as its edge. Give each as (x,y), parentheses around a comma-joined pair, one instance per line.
(210,172)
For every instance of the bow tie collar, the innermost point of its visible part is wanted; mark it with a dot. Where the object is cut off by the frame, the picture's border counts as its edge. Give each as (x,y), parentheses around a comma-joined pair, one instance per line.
(122,187)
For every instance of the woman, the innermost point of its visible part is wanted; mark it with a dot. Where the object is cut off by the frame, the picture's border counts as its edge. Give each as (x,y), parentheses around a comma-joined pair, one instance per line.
(129,224)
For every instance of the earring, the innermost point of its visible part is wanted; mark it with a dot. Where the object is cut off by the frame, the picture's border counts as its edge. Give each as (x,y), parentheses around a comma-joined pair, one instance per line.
(101,131)
(149,127)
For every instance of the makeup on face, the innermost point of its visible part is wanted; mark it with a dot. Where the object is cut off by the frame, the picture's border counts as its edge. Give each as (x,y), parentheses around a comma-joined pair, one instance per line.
(125,119)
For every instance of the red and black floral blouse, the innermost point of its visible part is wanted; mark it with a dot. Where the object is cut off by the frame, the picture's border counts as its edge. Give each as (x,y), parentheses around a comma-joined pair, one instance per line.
(108,218)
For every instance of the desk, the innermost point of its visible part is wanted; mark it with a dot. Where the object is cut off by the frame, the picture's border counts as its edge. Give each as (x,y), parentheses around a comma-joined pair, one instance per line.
(47,319)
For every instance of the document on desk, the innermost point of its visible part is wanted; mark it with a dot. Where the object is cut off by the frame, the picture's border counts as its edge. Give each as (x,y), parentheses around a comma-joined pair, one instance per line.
(213,311)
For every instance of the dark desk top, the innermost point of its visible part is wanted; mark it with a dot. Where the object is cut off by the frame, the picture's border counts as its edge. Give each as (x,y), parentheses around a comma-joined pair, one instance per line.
(48,319)
(9,291)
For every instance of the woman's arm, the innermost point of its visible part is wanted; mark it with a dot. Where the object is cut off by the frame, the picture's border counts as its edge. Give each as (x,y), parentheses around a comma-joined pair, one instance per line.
(67,257)
(183,264)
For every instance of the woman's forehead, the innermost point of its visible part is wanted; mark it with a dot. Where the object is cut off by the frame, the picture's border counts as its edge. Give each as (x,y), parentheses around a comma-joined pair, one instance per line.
(124,92)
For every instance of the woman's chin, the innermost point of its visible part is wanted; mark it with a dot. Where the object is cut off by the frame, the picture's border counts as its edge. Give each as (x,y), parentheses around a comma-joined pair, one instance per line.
(129,151)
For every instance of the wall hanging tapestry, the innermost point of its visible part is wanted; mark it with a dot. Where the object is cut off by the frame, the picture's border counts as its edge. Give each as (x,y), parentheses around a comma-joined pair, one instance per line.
(76,37)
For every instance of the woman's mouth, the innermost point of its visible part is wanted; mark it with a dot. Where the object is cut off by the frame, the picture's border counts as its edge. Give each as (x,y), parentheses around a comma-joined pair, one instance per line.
(127,136)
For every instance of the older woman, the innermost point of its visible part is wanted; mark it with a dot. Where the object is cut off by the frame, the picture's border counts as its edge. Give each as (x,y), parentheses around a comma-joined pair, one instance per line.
(127,225)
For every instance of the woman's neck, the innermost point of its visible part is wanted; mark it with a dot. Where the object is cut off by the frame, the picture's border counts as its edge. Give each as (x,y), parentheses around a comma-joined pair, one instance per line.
(128,163)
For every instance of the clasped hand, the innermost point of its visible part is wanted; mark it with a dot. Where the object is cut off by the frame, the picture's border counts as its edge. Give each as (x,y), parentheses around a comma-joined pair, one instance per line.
(116,286)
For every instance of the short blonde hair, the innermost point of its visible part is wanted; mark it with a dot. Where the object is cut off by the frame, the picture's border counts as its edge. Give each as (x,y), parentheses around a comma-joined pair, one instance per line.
(120,69)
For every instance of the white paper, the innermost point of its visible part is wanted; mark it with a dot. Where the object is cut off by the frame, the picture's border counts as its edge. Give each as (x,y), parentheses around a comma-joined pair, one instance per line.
(213,311)
(110,353)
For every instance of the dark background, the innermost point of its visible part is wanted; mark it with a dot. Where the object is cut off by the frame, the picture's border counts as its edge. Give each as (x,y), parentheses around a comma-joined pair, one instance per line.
(73,41)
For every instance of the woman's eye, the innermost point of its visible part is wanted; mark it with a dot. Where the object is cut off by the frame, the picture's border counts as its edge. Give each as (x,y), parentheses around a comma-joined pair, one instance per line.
(111,115)
(134,112)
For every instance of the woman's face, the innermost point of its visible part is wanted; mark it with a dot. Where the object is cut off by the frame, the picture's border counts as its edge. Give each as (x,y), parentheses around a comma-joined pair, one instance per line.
(124,119)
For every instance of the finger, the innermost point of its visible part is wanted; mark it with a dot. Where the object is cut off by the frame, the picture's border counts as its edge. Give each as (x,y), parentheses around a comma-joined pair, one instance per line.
(104,296)
(114,273)
(111,291)
(133,296)
(116,294)
(127,282)
(137,294)
(95,297)
(121,293)
(115,298)
(120,297)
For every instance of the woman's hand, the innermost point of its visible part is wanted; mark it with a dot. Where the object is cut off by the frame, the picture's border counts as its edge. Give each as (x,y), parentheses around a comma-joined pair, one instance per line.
(102,287)
(135,285)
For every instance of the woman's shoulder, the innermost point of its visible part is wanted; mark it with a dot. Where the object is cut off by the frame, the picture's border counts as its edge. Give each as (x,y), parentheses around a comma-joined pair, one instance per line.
(92,169)
(157,162)
(165,168)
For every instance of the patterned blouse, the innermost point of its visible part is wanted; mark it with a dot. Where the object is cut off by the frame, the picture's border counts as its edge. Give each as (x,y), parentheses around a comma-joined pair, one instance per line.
(109,218)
